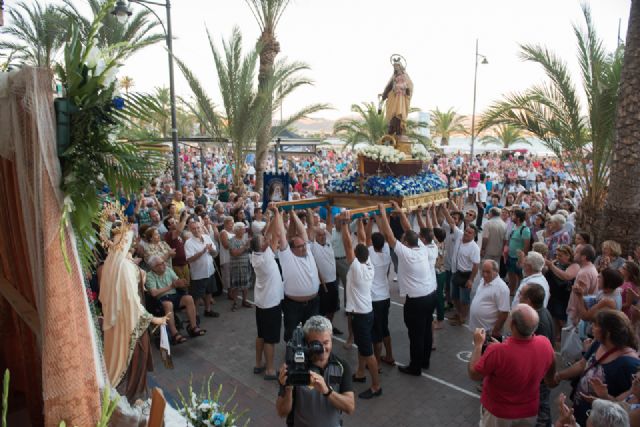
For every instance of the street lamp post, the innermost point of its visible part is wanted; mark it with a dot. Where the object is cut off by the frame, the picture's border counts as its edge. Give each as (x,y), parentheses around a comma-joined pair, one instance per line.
(473,114)
(122,12)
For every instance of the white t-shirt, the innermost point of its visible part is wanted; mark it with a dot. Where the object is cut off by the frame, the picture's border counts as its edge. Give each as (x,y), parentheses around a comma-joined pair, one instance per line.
(534,278)
(269,290)
(482,192)
(359,281)
(416,277)
(451,240)
(490,299)
(381,262)
(300,274)
(325,260)
(467,255)
(203,267)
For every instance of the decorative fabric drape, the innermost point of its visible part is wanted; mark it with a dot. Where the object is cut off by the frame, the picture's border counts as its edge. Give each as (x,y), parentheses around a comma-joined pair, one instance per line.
(70,368)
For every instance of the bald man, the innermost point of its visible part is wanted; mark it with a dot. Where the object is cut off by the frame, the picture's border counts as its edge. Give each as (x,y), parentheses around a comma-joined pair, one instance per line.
(512,371)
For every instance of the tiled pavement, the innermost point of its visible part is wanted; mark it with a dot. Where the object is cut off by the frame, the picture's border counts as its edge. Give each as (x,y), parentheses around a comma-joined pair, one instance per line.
(445,396)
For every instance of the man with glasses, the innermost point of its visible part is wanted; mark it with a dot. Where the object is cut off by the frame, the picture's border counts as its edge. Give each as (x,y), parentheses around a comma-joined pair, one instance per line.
(300,277)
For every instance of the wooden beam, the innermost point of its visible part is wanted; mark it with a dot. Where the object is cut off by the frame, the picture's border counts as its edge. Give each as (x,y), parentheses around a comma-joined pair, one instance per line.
(25,310)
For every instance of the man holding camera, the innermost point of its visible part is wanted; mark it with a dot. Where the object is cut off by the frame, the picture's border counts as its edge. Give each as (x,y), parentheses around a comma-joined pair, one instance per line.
(329,390)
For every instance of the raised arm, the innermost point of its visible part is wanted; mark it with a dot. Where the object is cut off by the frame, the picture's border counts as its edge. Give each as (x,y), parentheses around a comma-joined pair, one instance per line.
(385,228)
(421,222)
(310,227)
(346,237)
(282,232)
(368,232)
(361,233)
(301,230)
(448,217)
(329,219)
(404,221)
(428,222)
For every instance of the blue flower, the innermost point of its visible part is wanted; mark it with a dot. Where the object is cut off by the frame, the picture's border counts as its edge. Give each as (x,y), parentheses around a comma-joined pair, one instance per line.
(218,419)
(118,102)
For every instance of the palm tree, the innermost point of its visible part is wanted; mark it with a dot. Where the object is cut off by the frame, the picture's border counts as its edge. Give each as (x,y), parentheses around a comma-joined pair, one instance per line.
(505,136)
(369,126)
(446,123)
(246,108)
(126,83)
(137,33)
(161,118)
(623,199)
(553,113)
(35,35)
(267,14)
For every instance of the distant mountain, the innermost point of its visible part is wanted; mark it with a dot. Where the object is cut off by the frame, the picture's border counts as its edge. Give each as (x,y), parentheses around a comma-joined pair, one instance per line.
(314,126)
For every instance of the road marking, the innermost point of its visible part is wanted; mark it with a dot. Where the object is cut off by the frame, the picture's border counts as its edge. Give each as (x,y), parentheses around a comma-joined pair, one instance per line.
(464,356)
(431,377)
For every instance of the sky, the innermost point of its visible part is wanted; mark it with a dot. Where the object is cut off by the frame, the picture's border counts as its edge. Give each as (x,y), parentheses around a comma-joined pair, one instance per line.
(347,44)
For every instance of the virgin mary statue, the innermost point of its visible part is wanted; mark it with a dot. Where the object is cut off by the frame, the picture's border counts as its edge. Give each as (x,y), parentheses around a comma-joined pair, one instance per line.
(397,94)
(126,339)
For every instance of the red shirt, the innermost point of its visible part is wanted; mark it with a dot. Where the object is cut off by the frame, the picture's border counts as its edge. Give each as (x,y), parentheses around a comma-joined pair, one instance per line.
(474,179)
(180,259)
(512,374)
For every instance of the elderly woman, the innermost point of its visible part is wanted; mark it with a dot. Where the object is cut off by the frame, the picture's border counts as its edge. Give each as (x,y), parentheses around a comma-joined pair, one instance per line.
(559,235)
(560,275)
(610,257)
(240,267)
(225,257)
(156,246)
(611,360)
(631,286)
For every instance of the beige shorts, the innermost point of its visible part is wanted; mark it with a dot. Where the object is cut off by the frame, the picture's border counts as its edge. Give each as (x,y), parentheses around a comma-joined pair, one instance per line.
(487,419)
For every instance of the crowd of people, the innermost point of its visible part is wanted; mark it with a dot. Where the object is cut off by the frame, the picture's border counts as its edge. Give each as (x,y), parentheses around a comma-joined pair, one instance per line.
(505,259)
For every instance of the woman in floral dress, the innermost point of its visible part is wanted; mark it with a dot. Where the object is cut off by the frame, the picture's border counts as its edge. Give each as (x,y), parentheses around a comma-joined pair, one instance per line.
(240,267)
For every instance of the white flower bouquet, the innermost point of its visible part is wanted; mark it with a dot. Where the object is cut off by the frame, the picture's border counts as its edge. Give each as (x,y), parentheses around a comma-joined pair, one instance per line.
(382,153)
(419,152)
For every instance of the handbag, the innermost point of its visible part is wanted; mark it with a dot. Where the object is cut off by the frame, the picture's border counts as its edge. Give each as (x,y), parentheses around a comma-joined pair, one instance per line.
(570,344)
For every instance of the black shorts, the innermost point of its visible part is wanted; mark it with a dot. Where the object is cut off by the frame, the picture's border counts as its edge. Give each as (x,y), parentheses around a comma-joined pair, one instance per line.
(362,326)
(174,299)
(199,288)
(380,328)
(328,299)
(268,321)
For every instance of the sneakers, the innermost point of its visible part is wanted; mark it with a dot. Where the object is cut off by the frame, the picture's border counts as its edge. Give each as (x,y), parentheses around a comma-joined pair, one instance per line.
(370,394)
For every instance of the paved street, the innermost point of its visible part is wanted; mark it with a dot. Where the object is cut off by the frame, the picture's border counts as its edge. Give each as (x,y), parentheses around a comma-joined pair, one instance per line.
(444,396)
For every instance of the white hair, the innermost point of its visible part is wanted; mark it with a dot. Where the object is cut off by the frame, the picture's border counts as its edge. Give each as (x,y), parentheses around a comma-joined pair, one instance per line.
(559,219)
(317,324)
(535,260)
(608,414)
(155,260)
(238,226)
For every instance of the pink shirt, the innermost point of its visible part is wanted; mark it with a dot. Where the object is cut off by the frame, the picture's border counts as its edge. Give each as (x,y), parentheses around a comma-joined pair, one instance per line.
(588,275)
(623,289)
(512,374)
(474,179)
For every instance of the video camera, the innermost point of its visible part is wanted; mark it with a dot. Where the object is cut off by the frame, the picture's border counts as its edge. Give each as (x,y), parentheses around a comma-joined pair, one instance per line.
(298,357)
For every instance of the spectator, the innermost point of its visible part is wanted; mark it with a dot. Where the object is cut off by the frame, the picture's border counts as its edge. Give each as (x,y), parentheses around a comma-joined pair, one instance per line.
(518,240)
(587,275)
(155,246)
(532,267)
(199,251)
(560,275)
(493,236)
(611,360)
(163,284)
(511,371)
(631,286)
(240,277)
(490,305)
(610,257)
(559,235)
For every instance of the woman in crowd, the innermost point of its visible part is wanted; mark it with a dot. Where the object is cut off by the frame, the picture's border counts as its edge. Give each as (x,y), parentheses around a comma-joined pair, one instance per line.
(631,286)
(225,257)
(156,246)
(560,275)
(610,257)
(581,238)
(240,267)
(607,297)
(559,236)
(612,360)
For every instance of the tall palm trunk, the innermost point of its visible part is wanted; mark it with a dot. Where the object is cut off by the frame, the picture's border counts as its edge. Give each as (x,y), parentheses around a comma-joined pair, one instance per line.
(622,205)
(270,48)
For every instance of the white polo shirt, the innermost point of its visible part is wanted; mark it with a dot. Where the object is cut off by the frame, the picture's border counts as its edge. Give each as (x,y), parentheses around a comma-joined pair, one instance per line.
(325,259)
(300,274)
(490,299)
(257,226)
(534,278)
(467,254)
(381,262)
(451,240)
(203,267)
(359,281)
(269,290)
(416,278)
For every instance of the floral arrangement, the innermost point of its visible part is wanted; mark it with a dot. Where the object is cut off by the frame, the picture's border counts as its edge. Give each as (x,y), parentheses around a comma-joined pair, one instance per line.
(397,186)
(205,409)
(419,152)
(89,119)
(382,153)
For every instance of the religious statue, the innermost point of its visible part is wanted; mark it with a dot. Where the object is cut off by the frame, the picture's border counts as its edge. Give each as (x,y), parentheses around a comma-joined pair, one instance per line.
(127,349)
(397,95)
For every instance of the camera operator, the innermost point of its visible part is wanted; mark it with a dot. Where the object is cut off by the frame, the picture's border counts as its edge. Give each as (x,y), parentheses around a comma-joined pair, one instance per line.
(330,389)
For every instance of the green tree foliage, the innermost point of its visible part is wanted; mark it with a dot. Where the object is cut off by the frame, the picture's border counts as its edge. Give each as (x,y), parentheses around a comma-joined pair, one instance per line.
(446,123)
(505,136)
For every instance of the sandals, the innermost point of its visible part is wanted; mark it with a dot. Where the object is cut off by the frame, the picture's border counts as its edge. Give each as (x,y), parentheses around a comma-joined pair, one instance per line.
(389,361)
(259,369)
(177,339)
(247,304)
(196,331)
